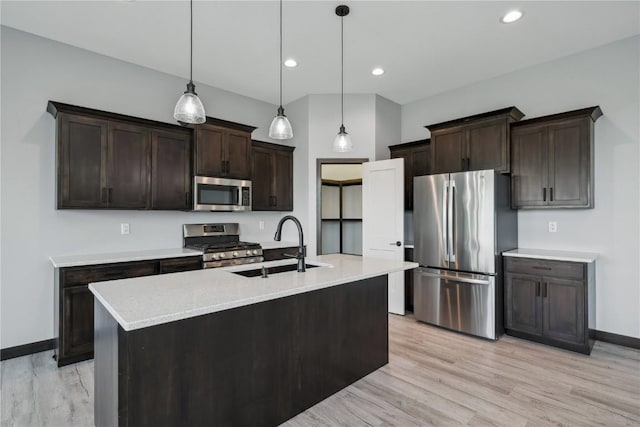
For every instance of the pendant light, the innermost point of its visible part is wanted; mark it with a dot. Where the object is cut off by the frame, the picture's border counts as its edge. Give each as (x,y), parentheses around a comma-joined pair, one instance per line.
(189,108)
(280,127)
(342,143)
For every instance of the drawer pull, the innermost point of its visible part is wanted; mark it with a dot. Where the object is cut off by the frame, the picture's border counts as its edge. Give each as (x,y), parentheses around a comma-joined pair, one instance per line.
(541,268)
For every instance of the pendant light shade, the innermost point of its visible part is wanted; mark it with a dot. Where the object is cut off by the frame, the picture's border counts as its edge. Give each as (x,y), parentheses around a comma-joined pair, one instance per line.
(342,143)
(189,108)
(280,127)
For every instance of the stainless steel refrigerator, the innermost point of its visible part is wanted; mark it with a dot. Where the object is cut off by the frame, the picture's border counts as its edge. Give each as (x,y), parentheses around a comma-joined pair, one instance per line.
(462,223)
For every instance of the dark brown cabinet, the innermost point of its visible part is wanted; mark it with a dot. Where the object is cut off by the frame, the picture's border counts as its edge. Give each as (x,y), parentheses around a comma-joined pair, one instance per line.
(129,166)
(223,149)
(549,302)
(111,161)
(171,170)
(81,161)
(552,160)
(417,162)
(473,143)
(272,177)
(408,281)
(73,318)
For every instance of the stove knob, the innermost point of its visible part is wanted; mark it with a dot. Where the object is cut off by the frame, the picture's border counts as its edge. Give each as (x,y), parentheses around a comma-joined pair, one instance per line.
(235,254)
(215,256)
(255,252)
(222,255)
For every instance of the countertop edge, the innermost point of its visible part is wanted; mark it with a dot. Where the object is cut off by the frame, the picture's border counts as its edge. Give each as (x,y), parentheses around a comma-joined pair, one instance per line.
(576,257)
(130,326)
(116,257)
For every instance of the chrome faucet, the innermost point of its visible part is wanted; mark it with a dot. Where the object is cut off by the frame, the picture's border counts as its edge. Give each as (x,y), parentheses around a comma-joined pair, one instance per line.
(301,249)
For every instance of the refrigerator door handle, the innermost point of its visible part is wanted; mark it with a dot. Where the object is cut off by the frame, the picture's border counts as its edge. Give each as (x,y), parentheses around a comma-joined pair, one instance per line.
(451,221)
(445,195)
(457,278)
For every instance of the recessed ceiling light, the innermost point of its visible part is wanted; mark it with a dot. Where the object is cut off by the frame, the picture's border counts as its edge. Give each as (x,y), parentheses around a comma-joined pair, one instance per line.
(511,16)
(377,71)
(290,63)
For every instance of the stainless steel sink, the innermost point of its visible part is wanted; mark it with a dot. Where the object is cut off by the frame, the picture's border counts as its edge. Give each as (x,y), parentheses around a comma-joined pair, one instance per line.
(271,270)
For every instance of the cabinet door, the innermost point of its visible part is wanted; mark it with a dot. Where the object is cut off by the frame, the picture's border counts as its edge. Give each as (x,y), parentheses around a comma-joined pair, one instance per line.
(77,321)
(262,190)
(569,146)
(82,156)
(237,155)
(209,151)
(488,146)
(448,150)
(564,310)
(283,162)
(129,159)
(529,167)
(523,303)
(174,265)
(171,170)
(408,175)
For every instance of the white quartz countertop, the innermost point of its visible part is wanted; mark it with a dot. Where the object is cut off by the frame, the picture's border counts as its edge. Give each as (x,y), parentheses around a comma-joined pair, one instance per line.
(109,258)
(154,300)
(552,255)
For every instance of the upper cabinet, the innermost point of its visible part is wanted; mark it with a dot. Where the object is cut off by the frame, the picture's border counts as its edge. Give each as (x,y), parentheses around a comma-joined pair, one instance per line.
(417,162)
(473,143)
(552,160)
(272,177)
(223,149)
(107,160)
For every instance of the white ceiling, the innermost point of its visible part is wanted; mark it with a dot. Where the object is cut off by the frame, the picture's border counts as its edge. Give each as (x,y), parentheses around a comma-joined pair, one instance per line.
(426,47)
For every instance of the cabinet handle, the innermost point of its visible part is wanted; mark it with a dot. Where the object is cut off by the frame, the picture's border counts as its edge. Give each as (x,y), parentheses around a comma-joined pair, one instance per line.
(551,194)
(468,163)
(275,201)
(537,289)
(104,196)
(541,268)
(463,159)
(109,192)
(545,289)
(227,166)
(544,194)
(222,162)
(186,198)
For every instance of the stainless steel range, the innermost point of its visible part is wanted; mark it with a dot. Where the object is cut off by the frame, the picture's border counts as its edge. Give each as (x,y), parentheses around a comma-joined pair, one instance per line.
(221,244)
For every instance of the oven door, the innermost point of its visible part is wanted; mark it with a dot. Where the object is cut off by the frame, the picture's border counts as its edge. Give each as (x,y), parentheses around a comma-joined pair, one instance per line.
(221,194)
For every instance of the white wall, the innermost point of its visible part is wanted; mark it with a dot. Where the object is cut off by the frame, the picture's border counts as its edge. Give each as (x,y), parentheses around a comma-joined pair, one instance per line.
(324,123)
(35,70)
(607,76)
(388,126)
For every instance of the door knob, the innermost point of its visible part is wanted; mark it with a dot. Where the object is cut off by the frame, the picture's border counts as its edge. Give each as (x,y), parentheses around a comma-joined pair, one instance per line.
(398,243)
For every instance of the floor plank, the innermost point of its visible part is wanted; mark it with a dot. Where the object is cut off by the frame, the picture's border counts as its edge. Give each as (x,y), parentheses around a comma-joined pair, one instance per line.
(434,378)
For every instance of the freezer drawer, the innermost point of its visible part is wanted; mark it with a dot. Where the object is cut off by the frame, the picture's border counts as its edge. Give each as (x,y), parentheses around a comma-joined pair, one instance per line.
(463,302)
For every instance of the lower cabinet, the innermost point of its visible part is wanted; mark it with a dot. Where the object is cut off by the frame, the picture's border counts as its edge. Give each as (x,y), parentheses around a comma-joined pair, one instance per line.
(73,303)
(279,253)
(548,302)
(408,281)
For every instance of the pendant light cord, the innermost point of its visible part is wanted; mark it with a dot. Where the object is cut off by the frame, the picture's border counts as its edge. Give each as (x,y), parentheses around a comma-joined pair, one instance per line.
(280,53)
(342,70)
(191,45)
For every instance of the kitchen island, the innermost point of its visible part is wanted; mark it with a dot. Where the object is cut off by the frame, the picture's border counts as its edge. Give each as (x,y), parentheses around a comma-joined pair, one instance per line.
(212,347)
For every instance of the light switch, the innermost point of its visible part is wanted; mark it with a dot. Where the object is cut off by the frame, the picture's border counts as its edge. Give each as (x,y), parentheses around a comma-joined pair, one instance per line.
(124,228)
(553,226)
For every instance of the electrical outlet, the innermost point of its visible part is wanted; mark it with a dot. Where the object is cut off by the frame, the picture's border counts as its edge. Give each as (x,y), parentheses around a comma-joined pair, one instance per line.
(553,226)
(124,228)
(261,225)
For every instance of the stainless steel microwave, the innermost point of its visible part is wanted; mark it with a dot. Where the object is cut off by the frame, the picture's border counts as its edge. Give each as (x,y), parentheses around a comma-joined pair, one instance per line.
(221,194)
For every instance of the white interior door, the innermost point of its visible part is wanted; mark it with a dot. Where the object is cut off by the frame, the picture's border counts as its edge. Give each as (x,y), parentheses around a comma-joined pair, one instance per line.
(383,220)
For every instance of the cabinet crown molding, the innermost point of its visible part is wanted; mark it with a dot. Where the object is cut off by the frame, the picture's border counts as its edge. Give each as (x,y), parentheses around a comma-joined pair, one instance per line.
(592,112)
(54,108)
(512,112)
(410,144)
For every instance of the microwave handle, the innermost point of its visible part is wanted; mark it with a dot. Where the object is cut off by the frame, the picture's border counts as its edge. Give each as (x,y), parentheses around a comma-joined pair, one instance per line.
(239,195)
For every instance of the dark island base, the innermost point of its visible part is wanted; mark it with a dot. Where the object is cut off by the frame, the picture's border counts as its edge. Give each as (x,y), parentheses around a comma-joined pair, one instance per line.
(257,365)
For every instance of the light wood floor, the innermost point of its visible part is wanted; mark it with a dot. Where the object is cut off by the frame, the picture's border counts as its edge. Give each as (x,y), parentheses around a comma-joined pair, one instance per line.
(434,377)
